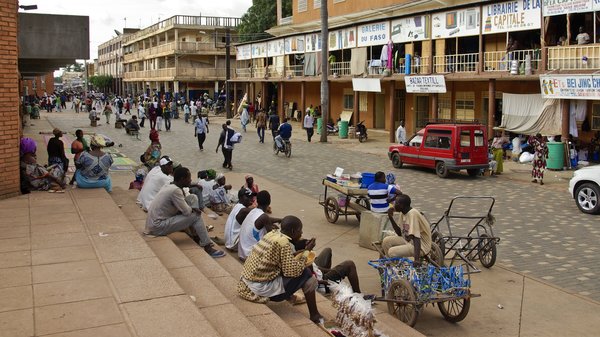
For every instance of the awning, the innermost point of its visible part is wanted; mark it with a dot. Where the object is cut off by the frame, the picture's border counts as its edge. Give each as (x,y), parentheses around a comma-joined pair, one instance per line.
(531,114)
(366,84)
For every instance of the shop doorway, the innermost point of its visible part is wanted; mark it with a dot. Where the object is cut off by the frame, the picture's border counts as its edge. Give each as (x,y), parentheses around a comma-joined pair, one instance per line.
(379,111)
(400,103)
(497,115)
(421,111)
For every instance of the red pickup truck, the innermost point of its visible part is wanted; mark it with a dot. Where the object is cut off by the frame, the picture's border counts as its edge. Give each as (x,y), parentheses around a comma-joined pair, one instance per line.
(445,147)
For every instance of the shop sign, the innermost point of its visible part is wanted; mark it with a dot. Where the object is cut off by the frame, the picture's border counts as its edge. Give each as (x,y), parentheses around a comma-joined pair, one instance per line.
(342,39)
(294,44)
(313,42)
(275,48)
(415,28)
(511,16)
(425,84)
(570,86)
(456,23)
(243,52)
(374,34)
(559,7)
(259,50)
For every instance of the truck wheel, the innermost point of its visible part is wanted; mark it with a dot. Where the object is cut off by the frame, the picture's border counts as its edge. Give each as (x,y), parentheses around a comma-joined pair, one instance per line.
(396,160)
(441,169)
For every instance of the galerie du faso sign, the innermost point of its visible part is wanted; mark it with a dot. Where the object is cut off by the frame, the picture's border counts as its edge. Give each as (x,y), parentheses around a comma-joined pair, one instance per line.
(570,86)
(374,34)
(511,16)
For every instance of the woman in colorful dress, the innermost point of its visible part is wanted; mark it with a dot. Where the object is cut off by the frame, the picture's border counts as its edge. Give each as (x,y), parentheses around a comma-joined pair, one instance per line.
(539,160)
(153,152)
(93,166)
(35,176)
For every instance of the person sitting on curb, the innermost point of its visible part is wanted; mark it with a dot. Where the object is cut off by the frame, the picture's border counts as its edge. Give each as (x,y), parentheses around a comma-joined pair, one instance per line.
(206,185)
(219,197)
(132,127)
(413,237)
(94,166)
(155,180)
(171,212)
(381,193)
(232,226)
(255,224)
(273,273)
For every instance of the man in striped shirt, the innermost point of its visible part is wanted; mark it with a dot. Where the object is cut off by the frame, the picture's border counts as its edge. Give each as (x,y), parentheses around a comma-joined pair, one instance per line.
(381,193)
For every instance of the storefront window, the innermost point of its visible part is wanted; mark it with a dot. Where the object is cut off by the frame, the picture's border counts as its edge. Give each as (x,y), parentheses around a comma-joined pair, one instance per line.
(362,101)
(348,102)
(465,106)
(445,106)
(596,117)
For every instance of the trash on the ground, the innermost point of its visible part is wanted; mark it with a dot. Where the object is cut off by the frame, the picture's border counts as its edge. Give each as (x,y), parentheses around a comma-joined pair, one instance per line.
(500,306)
(213,215)
(102,234)
(120,206)
(193,298)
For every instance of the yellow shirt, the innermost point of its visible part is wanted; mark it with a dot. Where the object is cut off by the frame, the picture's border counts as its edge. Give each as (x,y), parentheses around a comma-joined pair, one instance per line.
(414,223)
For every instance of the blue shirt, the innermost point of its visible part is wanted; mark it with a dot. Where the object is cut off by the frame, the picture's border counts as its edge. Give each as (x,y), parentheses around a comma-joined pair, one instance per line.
(378,195)
(285,131)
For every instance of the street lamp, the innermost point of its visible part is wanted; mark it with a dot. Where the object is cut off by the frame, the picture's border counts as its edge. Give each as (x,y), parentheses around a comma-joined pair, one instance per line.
(28,7)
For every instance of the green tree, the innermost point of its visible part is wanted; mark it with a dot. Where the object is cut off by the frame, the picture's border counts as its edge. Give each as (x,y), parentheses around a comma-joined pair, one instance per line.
(260,16)
(101,82)
(76,67)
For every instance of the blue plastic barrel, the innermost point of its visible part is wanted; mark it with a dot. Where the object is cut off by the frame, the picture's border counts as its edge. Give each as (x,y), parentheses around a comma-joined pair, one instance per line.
(367,179)
(407,62)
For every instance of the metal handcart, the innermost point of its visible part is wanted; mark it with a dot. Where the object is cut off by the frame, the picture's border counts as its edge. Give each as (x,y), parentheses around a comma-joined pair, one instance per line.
(355,201)
(407,290)
(468,234)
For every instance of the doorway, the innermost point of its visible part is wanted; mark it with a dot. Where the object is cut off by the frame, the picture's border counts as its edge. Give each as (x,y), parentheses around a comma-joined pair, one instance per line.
(421,110)
(380,111)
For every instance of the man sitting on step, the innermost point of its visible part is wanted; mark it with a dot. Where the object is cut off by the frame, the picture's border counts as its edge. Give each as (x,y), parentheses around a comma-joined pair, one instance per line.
(158,177)
(273,273)
(255,224)
(171,211)
(232,226)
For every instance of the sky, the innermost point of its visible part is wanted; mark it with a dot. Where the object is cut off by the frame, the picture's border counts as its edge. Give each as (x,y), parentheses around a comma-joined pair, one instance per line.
(108,15)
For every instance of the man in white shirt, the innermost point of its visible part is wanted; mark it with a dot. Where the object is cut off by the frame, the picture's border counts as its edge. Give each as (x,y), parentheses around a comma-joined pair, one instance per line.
(232,226)
(158,177)
(582,37)
(308,125)
(255,224)
(401,133)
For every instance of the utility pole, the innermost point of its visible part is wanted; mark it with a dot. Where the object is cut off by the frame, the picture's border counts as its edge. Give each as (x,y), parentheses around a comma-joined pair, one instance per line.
(324,71)
(227,72)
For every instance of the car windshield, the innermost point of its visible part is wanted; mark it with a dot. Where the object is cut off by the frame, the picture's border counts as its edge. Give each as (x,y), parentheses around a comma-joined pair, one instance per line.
(416,140)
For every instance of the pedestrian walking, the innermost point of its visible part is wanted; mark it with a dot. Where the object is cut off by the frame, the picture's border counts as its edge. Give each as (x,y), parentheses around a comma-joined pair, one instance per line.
(261,125)
(141,114)
(539,160)
(159,116)
(152,115)
(274,123)
(498,150)
(200,131)
(186,113)
(226,143)
(107,112)
(308,125)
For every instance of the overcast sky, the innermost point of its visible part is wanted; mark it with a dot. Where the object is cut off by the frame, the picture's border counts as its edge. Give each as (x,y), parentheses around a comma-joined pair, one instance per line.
(108,15)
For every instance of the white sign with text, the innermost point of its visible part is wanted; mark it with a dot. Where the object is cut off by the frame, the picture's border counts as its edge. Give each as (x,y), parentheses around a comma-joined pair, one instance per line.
(425,84)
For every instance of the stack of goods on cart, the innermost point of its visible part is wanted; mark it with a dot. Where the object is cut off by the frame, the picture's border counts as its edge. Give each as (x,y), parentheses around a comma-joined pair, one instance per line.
(345,179)
(428,281)
(355,317)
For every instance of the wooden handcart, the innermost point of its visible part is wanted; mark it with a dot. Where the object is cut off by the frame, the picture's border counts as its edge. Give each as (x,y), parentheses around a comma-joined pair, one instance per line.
(355,201)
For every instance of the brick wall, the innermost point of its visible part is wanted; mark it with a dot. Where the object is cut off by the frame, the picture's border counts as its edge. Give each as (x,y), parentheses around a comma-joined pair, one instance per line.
(43,84)
(9,96)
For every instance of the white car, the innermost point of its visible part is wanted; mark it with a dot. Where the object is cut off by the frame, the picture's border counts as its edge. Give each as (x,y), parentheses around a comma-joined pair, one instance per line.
(585,189)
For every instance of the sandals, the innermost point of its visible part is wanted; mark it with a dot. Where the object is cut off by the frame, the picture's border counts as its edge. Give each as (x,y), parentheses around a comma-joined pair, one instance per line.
(210,228)
(218,240)
(297,299)
(217,253)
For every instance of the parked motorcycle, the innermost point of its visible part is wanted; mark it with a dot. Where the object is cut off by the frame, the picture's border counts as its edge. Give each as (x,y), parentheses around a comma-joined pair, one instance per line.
(361,132)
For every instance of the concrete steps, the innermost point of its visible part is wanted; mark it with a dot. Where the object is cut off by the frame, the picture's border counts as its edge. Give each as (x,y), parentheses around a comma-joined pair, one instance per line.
(211,283)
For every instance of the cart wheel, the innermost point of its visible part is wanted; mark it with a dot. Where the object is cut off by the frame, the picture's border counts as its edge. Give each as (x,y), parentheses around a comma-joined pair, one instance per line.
(439,239)
(332,209)
(435,254)
(401,290)
(455,311)
(487,251)
(396,160)
(441,169)
(364,202)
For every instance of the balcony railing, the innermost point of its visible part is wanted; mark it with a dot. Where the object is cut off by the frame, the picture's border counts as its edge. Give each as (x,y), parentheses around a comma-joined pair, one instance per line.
(172,47)
(574,57)
(295,70)
(243,72)
(184,20)
(501,60)
(457,63)
(339,69)
(174,73)
(259,72)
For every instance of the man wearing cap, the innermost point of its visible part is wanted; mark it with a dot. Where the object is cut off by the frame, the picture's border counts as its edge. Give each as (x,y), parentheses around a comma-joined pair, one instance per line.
(171,211)
(56,150)
(232,226)
(156,179)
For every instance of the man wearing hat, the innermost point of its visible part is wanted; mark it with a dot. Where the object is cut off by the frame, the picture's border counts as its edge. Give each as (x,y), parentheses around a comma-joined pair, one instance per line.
(56,150)
(158,177)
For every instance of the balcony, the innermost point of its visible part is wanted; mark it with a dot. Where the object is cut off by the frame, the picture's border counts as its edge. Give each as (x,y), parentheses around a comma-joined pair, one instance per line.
(583,57)
(500,60)
(183,21)
(180,73)
(339,69)
(179,47)
(294,71)
(457,63)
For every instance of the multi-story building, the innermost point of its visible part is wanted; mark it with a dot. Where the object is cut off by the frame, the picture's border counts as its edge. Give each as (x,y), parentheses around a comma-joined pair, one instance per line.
(110,59)
(418,61)
(182,55)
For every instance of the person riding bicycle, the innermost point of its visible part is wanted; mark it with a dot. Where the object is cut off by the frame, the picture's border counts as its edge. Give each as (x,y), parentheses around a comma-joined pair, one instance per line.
(284,134)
